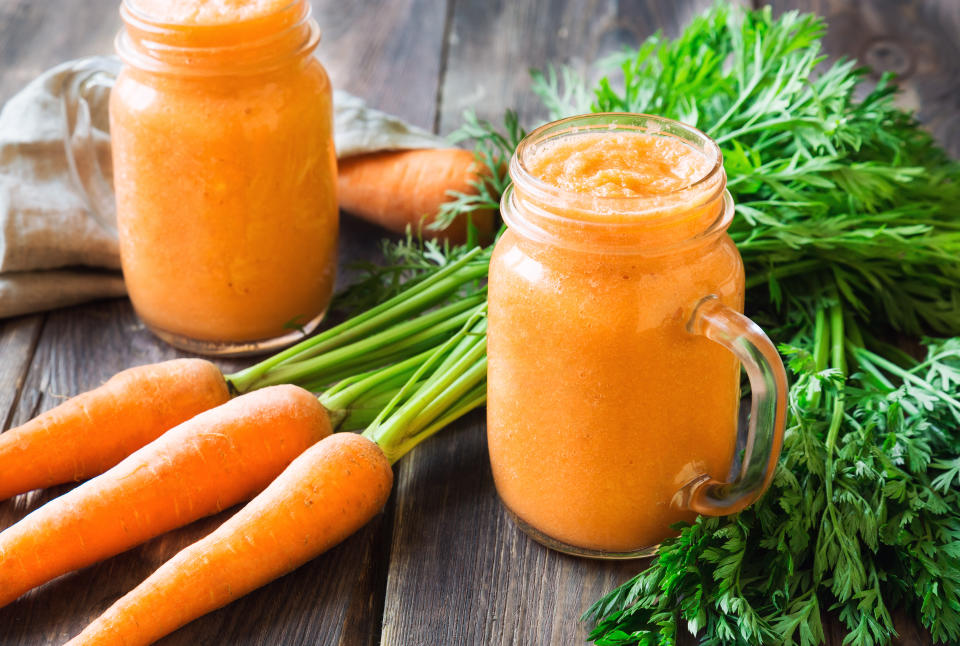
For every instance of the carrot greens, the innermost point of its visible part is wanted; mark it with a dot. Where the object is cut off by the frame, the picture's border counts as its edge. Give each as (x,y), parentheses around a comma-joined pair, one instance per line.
(492,148)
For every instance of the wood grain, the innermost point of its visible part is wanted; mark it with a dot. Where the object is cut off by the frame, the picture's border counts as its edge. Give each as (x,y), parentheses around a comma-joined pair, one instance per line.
(461,572)
(388,52)
(18,342)
(494,44)
(919,41)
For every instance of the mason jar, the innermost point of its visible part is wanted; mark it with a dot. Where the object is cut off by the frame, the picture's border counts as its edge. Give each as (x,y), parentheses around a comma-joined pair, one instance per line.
(615,336)
(225,173)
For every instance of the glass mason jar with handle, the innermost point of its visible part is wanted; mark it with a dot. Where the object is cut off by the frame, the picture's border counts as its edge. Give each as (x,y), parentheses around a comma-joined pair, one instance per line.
(614,334)
(224,171)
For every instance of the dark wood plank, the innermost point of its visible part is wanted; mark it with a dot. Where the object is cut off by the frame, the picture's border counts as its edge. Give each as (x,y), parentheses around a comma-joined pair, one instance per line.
(18,342)
(387,52)
(38,35)
(494,44)
(460,570)
(919,40)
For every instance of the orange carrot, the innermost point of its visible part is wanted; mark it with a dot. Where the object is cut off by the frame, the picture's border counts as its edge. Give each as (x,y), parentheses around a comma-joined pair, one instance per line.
(325,495)
(217,459)
(90,433)
(406,187)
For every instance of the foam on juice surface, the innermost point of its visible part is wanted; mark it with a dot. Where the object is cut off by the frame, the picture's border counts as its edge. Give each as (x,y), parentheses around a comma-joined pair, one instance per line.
(618,164)
(206,12)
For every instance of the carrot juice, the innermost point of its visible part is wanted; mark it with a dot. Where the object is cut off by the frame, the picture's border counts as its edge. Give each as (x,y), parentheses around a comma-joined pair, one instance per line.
(612,404)
(225,172)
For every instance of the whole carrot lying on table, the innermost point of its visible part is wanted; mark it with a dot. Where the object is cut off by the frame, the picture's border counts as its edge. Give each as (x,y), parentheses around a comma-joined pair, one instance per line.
(325,495)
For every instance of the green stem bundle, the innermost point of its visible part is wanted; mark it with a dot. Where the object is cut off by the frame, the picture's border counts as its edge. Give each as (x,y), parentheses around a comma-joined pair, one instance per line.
(451,380)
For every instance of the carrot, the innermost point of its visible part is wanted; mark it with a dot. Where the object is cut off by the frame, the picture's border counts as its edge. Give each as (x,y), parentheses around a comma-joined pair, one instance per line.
(395,189)
(90,433)
(325,495)
(217,459)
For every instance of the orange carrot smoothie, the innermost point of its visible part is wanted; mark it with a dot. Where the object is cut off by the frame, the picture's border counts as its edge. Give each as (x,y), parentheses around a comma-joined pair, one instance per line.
(225,172)
(602,404)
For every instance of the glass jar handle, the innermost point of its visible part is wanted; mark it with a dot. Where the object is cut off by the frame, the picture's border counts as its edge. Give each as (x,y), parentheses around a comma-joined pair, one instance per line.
(764,433)
(86,172)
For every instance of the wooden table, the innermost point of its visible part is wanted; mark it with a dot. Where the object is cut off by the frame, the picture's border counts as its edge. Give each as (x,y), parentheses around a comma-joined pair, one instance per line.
(442,564)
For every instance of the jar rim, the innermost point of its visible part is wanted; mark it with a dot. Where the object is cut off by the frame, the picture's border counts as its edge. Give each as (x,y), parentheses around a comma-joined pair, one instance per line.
(651,225)
(616,121)
(143,17)
(187,49)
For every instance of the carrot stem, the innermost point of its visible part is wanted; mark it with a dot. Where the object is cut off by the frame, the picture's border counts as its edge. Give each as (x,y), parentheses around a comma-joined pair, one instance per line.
(463,384)
(399,373)
(445,383)
(474,399)
(453,345)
